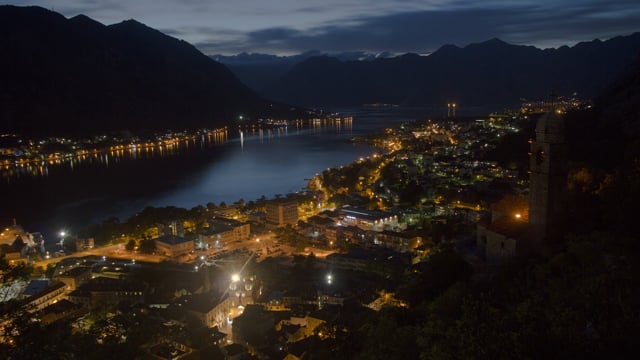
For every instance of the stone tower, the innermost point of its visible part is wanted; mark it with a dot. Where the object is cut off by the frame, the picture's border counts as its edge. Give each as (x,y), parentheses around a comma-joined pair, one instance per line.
(548,180)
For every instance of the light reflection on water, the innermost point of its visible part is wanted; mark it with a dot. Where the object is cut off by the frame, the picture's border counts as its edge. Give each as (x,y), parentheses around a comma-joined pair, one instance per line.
(122,180)
(39,165)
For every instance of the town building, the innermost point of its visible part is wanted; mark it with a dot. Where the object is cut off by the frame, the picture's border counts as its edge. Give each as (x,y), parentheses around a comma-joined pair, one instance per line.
(516,229)
(104,290)
(398,241)
(210,309)
(33,287)
(222,232)
(174,246)
(175,228)
(48,296)
(368,219)
(75,277)
(85,244)
(282,212)
(63,309)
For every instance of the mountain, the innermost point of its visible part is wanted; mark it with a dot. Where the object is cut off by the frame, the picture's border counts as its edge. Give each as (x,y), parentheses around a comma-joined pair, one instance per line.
(487,73)
(258,71)
(78,76)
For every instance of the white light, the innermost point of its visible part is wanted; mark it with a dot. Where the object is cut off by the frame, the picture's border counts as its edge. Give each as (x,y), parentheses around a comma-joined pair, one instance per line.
(235,277)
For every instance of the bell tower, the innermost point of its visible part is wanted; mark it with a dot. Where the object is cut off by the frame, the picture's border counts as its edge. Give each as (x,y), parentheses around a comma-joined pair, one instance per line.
(548,179)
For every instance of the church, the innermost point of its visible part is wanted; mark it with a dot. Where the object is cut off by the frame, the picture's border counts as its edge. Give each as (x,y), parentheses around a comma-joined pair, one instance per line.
(516,229)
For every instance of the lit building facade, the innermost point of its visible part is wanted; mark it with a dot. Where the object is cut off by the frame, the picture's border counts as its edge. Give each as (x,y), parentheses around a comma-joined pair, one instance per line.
(368,220)
(222,232)
(282,212)
(174,246)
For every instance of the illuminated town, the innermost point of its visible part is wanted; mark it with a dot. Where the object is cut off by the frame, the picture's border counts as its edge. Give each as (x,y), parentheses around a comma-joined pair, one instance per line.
(270,271)
(458,200)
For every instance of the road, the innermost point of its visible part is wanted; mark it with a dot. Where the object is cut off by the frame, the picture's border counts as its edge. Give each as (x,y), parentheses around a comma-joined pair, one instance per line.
(258,244)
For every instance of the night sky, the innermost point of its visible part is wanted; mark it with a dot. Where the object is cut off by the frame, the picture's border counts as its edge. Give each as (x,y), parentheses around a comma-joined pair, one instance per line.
(398,26)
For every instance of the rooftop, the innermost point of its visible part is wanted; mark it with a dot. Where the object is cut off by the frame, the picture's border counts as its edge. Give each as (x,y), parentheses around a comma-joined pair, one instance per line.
(77,271)
(35,286)
(172,239)
(366,214)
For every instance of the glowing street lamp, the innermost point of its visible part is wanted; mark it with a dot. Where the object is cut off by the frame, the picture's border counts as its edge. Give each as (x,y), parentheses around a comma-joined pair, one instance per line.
(329,279)
(235,278)
(62,235)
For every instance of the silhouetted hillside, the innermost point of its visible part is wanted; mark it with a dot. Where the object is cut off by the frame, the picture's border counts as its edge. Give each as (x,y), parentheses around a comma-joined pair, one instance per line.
(492,72)
(76,75)
(258,71)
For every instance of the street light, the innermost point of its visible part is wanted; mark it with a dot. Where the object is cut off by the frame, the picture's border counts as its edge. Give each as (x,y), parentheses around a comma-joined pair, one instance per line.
(329,279)
(62,235)
(235,278)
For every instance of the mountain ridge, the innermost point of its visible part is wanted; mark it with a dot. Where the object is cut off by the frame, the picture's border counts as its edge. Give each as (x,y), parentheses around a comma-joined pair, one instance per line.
(78,76)
(489,72)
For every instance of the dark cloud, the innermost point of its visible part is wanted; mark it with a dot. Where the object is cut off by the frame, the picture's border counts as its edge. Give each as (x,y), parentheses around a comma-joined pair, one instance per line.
(293,26)
(425,31)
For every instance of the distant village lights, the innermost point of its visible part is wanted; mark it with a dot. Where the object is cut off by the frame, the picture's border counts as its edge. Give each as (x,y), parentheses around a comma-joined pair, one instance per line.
(451,109)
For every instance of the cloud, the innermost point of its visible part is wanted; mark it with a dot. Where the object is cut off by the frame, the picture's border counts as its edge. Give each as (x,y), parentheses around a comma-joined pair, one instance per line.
(424,31)
(293,26)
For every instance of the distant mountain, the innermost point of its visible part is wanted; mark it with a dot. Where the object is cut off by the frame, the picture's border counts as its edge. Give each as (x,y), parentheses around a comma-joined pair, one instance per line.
(492,72)
(259,71)
(76,75)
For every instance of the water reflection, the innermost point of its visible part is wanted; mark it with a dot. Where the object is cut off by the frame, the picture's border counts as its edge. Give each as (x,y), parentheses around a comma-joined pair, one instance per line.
(12,168)
(168,146)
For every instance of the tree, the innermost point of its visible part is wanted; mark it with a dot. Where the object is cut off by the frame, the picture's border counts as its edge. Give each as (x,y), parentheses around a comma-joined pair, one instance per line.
(131,245)
(432,277)
(147,246)
(386,337)
(10,276)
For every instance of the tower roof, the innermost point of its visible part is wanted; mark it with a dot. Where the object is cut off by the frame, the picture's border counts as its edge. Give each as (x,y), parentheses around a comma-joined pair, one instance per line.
(550,128)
